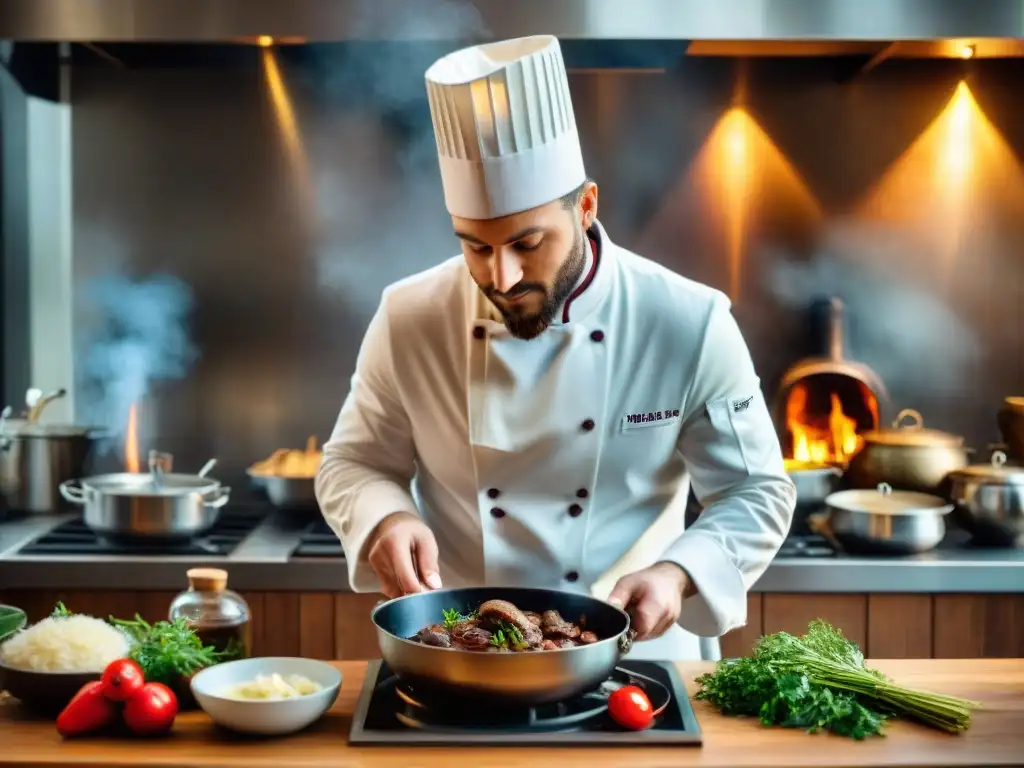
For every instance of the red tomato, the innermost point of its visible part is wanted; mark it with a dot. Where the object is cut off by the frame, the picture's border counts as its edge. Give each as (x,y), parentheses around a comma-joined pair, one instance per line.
(122,679)
(151,710)
(630,708)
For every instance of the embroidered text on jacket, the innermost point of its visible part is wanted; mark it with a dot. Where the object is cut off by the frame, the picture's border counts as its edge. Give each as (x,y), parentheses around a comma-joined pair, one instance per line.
(742,405)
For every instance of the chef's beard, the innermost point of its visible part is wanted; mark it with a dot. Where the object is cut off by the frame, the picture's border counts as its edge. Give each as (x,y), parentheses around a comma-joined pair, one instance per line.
(531,326)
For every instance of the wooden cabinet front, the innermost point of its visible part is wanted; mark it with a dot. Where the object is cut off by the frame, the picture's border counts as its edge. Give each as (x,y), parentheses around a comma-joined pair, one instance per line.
(325,625)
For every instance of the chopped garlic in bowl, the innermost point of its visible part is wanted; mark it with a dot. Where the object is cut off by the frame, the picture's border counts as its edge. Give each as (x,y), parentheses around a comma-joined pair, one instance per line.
(274,687)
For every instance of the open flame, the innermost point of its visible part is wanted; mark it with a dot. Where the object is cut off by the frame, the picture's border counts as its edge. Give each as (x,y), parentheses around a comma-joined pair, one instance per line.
(820,443)
(131,441)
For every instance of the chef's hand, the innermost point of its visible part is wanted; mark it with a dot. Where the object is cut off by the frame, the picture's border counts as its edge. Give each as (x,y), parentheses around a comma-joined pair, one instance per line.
(653,597)
(404,555)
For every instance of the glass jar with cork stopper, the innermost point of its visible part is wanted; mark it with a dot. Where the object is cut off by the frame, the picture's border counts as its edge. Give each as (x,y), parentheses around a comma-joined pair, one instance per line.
(220,617)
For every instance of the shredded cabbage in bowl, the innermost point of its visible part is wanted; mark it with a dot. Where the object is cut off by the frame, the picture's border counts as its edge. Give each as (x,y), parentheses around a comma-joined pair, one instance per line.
(273,687)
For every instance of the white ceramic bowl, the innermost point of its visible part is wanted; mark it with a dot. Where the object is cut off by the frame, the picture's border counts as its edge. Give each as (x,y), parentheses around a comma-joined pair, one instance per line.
(265,717)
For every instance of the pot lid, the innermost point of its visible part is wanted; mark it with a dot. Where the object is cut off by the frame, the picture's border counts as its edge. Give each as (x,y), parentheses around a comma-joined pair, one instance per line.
(885,501)
(913,433)
(996,471)
(142,484)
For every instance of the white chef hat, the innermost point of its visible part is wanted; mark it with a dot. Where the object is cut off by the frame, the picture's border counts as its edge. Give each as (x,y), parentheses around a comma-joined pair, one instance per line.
(505,129)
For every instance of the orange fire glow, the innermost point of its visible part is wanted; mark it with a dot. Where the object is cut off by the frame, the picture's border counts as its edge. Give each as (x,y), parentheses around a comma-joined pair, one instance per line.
(831,443)
(131,441)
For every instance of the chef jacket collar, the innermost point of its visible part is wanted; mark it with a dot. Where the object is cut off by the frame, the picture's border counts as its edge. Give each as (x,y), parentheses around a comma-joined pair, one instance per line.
(588,295)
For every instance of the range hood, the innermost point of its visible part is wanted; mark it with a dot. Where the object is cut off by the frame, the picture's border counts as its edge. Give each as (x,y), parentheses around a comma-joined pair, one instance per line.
(729,22)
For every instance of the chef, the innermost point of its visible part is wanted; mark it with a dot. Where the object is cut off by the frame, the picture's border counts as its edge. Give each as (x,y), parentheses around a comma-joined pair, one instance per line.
(522,413)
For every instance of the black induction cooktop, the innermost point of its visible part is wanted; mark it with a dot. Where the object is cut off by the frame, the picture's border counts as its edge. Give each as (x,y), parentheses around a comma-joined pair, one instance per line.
(388,712)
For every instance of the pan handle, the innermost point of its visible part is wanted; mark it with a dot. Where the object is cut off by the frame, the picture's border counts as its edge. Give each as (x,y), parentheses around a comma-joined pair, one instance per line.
(72,491)
(626,641)
(219,496)
(627,638)
(819,523)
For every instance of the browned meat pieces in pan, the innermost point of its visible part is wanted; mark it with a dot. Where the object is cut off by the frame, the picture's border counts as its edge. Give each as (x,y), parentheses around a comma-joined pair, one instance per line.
(435,635)
(503,612)
(498,626)
(553,625)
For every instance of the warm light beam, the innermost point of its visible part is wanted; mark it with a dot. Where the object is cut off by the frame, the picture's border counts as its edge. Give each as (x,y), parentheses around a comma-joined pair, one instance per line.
(742,182)
(284,114)
(948,182)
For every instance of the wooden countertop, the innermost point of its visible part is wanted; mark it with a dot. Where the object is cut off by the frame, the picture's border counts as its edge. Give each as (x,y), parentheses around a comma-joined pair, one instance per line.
(996,737)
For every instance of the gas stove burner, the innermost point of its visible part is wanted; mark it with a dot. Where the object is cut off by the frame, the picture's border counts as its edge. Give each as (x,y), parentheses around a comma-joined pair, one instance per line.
(388,711)
(318,540)
(74,537)
(561,716)
(806,546)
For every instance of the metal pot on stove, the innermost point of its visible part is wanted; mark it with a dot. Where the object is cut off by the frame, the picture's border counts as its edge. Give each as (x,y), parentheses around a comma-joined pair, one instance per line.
(36,458)
(906,456)
(882,521)
(155,506)
(814,482)
(989,500)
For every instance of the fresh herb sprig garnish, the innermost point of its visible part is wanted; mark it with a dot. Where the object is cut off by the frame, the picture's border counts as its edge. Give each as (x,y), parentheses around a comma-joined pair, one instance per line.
(507,635)
(167,650)
(819,682)
(60,611)
(453,617)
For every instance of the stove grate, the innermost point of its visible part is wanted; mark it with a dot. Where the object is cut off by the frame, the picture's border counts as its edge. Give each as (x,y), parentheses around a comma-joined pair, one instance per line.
(318,540)
(74,537)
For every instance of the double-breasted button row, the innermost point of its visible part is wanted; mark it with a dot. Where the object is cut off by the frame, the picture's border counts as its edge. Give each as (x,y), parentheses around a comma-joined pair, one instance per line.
(479,333)
(575,510)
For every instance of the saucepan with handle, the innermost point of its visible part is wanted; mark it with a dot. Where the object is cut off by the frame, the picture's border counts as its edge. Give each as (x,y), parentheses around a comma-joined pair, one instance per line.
(506,679)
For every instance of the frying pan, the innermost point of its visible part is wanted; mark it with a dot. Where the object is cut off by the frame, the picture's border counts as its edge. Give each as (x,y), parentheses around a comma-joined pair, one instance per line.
(502,680)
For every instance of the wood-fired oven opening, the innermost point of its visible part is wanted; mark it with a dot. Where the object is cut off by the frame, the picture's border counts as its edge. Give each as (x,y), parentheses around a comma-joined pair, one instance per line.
(825,403)
(825,415)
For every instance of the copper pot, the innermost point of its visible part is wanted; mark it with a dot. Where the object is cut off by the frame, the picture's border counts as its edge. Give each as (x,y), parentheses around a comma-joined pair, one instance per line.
(908,457)
(1011,426)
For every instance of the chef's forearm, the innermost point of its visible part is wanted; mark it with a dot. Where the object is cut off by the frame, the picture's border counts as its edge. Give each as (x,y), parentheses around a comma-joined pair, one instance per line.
(728,549)
(355,499)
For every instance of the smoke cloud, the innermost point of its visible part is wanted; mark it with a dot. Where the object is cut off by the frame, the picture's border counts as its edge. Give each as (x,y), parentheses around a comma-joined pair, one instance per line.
(901,325)
(136,334)
(380,211)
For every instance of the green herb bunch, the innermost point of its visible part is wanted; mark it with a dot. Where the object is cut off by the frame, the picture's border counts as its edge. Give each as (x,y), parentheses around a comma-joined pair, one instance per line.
(819,682)
(167,650)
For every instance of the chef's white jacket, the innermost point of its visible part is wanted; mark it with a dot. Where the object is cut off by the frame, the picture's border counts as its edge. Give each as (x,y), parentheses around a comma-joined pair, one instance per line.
(539,463)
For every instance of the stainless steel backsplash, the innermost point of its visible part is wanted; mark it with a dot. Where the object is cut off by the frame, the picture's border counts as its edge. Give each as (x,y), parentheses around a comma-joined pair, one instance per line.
(184,172)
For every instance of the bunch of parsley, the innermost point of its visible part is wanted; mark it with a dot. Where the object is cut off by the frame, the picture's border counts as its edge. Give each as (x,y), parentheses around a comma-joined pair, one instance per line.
(167,651)
(819,682)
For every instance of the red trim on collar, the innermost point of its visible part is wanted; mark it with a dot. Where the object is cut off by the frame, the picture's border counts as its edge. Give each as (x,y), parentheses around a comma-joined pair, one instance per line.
(586,281)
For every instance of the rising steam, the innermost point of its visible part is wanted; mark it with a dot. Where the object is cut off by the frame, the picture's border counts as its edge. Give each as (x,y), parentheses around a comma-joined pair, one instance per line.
(137,336)
(380,211)
(903,327)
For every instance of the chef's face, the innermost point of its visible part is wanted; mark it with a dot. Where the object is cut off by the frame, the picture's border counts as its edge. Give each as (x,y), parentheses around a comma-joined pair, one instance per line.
(528,263)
